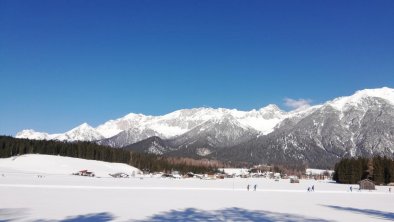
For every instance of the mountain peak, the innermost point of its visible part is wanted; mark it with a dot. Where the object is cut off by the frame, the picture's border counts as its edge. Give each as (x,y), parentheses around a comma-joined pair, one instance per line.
(26,131)
(83,132)
(82,127)
(134,116)
(271,108)
(382,93)
(32,134)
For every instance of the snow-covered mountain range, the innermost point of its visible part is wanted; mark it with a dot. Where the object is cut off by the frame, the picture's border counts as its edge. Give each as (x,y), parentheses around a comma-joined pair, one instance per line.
(360,124)
(83,132)
(135,127)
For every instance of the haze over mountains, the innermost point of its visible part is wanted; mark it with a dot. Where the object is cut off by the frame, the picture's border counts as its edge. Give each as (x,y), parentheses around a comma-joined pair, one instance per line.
(358,125)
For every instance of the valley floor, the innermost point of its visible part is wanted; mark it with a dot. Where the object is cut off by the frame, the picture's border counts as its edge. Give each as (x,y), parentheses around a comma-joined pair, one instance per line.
(56,197)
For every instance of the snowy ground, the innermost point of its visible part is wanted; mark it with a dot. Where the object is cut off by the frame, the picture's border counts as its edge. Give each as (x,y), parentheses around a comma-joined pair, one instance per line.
(63,197)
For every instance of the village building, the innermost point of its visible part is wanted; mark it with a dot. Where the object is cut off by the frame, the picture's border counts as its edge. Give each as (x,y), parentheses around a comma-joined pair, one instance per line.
(84,173)
(294,179)
(366,184)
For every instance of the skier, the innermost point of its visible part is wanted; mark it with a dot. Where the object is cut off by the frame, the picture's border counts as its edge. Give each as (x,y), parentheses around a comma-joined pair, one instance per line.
(313,187)
(389,189)
(255,187)
(309,189)
(351,189)
(247,187)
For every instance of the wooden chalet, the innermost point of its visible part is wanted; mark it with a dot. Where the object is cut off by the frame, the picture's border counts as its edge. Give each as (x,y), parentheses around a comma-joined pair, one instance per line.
(366,184)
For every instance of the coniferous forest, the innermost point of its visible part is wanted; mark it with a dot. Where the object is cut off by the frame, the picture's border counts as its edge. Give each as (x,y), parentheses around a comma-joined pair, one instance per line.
(10,146)
(348,170)
(378,169)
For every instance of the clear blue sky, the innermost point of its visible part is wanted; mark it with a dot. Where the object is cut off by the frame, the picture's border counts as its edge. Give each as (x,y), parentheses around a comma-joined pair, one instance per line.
(63,63)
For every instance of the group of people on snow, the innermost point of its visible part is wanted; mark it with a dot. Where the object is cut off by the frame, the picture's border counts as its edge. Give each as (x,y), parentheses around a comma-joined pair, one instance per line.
(254,187)
(311,189)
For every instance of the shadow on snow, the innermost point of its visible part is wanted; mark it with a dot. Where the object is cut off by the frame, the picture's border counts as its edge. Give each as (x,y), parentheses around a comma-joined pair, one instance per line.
(192,214)
(373,213)
(11,214)
(7,215)
(228,214)
(99,217)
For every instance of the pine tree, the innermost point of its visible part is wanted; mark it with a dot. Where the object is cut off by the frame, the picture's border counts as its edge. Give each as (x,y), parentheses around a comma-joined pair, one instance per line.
(378,170)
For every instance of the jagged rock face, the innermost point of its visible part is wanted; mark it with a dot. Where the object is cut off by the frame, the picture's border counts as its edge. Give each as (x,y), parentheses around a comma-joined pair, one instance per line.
(376,131)
(132,135)
(322,137)
(318,138)
(212,135)
(153,145)
(201,140)
(219,132)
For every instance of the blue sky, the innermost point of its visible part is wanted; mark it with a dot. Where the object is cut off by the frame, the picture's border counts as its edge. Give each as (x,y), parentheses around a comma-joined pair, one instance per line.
(63,63)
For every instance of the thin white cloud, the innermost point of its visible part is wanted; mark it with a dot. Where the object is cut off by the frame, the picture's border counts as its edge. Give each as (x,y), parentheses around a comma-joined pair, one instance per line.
(297,103)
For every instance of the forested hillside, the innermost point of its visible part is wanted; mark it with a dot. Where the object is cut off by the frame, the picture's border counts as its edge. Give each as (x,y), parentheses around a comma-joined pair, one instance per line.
(10,146)
(379,169)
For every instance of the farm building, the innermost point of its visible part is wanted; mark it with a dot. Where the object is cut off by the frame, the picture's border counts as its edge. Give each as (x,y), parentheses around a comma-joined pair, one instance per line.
(366,184)
(84,173)
(294,180)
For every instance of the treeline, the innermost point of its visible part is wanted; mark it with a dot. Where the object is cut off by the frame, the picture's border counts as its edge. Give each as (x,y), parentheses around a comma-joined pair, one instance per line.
(10,146)
(378,169)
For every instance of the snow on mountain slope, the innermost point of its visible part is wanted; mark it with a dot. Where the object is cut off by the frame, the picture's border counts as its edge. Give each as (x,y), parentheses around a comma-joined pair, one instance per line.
(263,120)
(219,132)
(357,125)
(47,164)
(32,134)
(113,127)
(166,126)
(134,127)
(360,96)
(181,121)
(83,132)
(202,140)
(129,136)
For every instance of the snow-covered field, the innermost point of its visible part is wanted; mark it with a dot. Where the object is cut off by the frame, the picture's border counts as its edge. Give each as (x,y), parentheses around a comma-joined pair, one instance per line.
(59,196)
(57,165)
